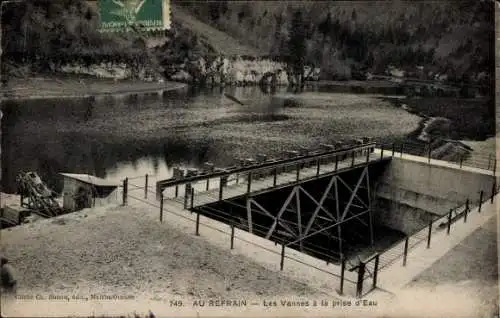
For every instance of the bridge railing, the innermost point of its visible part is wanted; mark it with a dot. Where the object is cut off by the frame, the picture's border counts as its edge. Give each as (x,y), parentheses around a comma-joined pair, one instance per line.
(399,251)
(282,169)
(444,153)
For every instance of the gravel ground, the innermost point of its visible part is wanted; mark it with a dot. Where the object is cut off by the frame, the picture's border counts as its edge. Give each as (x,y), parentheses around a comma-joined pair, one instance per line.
(470,271)
(126,251)
(141,255)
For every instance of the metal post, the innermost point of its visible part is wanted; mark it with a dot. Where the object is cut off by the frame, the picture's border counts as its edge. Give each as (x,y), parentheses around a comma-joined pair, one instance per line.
(493,188)
(402,148)
(161,208)
(352,157)
(429,233)
(208,184)
(375,271)
(429,154)
(146,187)
(298,172)
(186,195)
(393,149)
(192,197)
(237,178)
(466,210)
(220,189)
(449,222)
(481,193)
(317,167)
(367,155)
(336,162)
(359,285)
(249,186)
(125,191)
(382,152)
(461,161)
(342,273)
(232,235)
(197,223)
(176,190)
(282,255)
(405,252)
(494,167)
(275,176)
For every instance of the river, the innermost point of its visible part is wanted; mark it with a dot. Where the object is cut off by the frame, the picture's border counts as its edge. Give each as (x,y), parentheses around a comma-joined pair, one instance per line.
(131,135)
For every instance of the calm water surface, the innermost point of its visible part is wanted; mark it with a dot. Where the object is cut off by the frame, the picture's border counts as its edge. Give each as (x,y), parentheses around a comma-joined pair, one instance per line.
(127,136)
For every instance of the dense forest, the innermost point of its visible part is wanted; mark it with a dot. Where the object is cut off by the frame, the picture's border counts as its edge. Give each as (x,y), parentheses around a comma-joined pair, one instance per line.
(454,38)
(448,37)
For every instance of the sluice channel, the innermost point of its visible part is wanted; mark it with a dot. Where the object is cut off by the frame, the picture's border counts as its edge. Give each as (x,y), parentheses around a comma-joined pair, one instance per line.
(304,216)
(353,213)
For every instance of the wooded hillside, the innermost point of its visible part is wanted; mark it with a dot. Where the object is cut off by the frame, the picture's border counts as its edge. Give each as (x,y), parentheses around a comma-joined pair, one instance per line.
(448,37)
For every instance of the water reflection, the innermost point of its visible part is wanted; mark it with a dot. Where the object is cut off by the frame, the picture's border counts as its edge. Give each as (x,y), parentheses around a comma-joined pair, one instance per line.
(131,135)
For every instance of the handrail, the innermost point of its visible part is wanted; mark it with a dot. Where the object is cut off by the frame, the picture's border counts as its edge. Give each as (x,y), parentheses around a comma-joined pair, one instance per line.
(264,165)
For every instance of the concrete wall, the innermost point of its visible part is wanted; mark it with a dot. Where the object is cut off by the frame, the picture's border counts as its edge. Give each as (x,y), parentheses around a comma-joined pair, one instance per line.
(409,193)
(401,217)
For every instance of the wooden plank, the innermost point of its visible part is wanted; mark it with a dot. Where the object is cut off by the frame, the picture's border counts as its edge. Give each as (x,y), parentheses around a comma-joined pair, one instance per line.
(249,216)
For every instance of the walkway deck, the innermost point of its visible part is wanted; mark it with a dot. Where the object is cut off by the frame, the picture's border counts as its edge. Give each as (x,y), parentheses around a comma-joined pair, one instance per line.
(439,163)
(284,179)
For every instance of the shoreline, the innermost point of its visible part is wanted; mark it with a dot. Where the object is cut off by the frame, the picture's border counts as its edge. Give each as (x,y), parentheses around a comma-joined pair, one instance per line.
(74,87)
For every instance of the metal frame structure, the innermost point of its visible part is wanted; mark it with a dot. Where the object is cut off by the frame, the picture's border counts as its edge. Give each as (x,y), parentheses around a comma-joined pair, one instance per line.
(34,198)
(322,219)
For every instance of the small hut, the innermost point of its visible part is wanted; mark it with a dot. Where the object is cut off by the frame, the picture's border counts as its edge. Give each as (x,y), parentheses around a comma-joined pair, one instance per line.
(82,191)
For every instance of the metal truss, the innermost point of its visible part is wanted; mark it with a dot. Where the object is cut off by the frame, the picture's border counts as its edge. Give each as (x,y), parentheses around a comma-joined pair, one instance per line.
(323,219)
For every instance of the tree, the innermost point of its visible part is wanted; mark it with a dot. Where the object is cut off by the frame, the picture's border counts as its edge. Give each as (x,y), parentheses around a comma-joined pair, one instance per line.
(325,26)
(297,46)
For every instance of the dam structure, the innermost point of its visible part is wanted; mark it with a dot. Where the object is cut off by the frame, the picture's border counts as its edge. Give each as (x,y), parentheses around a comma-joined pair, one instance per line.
(335,204)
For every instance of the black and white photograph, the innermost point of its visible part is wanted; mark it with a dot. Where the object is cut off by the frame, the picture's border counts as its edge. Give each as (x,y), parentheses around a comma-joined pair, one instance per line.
(168,158)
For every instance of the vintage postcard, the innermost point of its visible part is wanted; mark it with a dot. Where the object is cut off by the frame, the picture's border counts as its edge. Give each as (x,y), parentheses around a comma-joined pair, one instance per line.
(165,158)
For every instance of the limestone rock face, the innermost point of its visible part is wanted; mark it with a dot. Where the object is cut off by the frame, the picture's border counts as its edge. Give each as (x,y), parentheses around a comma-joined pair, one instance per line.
(219,71)
(238,71)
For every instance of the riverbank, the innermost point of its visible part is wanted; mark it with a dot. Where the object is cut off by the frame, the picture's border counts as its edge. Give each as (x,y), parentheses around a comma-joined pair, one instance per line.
(449,124)
(470,119)
(42,87)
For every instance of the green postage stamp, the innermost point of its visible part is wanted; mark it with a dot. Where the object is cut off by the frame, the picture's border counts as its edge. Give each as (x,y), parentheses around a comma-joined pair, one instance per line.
(143,15)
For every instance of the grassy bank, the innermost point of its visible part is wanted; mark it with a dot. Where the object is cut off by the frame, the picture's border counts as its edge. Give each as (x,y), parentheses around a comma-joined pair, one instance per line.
(471,119)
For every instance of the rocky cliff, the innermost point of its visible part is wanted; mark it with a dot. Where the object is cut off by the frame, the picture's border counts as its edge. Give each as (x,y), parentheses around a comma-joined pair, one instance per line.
(237,71)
